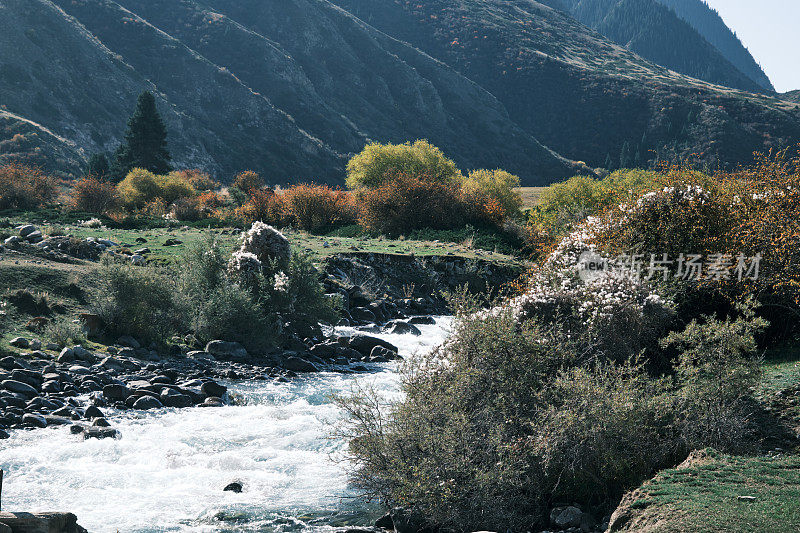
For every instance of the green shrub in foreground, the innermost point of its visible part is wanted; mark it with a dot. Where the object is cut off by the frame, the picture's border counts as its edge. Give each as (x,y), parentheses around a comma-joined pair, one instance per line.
(508,417)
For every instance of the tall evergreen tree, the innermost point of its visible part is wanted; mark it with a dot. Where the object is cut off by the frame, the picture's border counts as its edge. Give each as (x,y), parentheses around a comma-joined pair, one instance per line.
(625,156)
(98,166)
(145,144)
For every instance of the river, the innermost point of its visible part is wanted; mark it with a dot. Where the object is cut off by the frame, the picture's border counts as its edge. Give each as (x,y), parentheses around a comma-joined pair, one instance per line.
(167,471)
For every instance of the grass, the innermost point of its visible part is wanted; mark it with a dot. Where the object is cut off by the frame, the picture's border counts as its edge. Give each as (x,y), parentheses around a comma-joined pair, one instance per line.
(530,196)
(705,496)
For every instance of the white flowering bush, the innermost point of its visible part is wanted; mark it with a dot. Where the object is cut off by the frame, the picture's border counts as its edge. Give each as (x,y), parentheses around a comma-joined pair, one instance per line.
(267,244)
(245,267)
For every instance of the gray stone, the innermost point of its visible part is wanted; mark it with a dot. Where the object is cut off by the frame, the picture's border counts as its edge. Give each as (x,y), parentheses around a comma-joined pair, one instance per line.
(566,517)
(115,392)
(212,388)
(19,387)
(26,230)
(147,402)
(297,364)
(235,486)
(19,342)
(34,420)
(226,350)
(128,341)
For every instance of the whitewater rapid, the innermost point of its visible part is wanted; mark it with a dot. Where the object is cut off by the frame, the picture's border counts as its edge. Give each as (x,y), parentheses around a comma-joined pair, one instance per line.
(168,470)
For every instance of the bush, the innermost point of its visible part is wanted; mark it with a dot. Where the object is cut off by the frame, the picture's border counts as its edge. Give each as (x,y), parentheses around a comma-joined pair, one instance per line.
(63,331)
(25,187)
(380,162)
(267,244)
(406,203)
(248,182)
(565,393)
(220,308)
(137,301)
(497,186)
(92,195)
(316,208)
(141,187)
(199,180)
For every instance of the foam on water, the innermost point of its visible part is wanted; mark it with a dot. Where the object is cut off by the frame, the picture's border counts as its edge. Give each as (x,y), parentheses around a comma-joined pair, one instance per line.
(167,471)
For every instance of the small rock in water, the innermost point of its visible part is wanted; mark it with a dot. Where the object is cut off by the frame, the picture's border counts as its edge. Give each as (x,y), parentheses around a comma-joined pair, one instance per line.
(236,487)
(147,402)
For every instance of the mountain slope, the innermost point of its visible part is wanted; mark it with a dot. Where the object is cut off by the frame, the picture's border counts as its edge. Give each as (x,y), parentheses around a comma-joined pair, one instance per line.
(261,91)
(579,93)
(710,25)
(658,34)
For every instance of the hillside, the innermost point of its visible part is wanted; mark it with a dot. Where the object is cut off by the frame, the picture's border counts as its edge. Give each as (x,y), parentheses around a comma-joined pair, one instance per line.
(261,94)
(658,34)
(711,26)
(579,93)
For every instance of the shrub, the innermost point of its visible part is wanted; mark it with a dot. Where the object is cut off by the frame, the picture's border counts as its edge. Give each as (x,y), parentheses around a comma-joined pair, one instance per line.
(265,206)
(267,244)
(63,331)
(220,308)
(317,207)
(497,186)
(186,209)
(248,182)
(25,187)
(141,187)
(197,179)
(406,203)
(137,301)
(378,163)
(93,195)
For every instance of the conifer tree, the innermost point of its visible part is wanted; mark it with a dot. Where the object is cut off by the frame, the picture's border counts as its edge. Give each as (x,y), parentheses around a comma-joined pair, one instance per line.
(145,144)
(98,166)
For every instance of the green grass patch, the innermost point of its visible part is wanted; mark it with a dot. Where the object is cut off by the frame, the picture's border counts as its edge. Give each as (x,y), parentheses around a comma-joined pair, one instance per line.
(705,497)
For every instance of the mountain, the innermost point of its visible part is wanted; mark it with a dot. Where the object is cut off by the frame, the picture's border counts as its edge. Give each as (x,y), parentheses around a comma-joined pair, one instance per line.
(710,25)
(656,32)
(287,88)
(291,88)
(579,93)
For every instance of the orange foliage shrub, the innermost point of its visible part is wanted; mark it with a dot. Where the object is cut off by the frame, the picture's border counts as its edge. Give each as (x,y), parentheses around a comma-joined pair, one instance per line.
(248,182)
(93,195)
(317,207)
(199,180)
(266,206)
(25,187)
(405,203)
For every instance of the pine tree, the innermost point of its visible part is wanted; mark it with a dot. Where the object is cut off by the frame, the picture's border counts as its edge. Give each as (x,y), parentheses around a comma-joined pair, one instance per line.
(145,144)
(625,157)
(609,164)
(98,166)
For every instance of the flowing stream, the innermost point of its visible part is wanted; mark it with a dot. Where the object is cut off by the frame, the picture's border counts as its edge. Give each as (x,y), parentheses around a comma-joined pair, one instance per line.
(168,470)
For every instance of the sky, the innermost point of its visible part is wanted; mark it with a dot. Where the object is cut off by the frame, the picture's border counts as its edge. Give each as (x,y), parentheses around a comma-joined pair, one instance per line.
(770,29)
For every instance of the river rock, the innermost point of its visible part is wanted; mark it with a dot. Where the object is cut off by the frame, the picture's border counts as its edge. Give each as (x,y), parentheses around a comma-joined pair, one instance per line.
(173,398)
(129,342)
(365,343)
(298,364)
(399,327)
(212,388)
(147,402)
(362,314)
(100,423)
(54,420)
(116,392)
(227,350)
(385,522)
(566,517)
(100,433)
(34,420)
(19,342)
(4,435)
(422,321)
(405,521)
(66,356)
(235,486)
(19,388)
(26,230)
(92,412)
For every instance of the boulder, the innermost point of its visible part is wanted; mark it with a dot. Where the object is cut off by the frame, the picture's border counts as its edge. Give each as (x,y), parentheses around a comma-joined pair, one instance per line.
(40,522)
(26,230)
(226,350)
(147,402)
(405,521)
(4,435)
(19,342)
(34,420)
(235,486)
(173,398)
(566,517)
(128,341)
(422,320)
(399,327)
(365,343)
(19,387)
(298,364)
(92,412)
(212,388)
(362,314)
